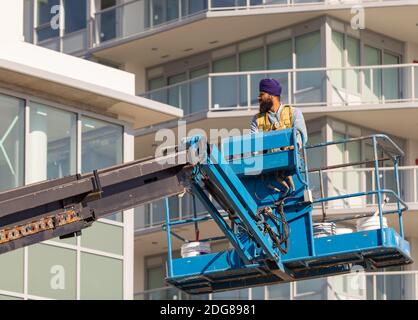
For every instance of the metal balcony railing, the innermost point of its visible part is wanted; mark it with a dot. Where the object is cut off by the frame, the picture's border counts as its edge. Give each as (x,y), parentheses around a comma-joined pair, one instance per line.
(139,16)
(335,182)
(398,285)
(328,87)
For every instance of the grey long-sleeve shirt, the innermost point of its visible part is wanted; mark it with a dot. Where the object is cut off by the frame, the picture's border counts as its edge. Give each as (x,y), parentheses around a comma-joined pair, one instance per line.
(297,119)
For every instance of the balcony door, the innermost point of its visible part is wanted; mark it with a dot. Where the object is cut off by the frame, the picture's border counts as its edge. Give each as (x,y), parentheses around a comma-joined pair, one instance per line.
(178,92)
(108,20)
(348,180)
(163,11)
(391,78)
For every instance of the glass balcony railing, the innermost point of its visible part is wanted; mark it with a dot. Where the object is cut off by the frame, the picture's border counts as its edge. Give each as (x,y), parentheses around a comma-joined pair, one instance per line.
(153,214)
(138,16)
(331,87)
(346,181)
(335,182)
(398,285)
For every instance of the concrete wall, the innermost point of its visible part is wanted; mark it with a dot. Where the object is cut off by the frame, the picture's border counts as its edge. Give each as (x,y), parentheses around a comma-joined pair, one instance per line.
(413,241)
(140,75)
(411,52)
(411,152)
(11,20)
(139,271)
(67,66)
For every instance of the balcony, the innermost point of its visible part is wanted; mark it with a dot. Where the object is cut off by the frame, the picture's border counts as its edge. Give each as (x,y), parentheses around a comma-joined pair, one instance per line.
(341,88)
(139,17)
(394,285)
(335,182)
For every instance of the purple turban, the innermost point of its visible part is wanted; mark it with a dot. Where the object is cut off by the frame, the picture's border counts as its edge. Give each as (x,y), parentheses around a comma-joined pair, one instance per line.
(271,86)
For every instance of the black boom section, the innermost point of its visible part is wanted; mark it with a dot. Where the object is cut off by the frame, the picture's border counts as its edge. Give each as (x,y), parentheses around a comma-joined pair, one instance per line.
(63,207)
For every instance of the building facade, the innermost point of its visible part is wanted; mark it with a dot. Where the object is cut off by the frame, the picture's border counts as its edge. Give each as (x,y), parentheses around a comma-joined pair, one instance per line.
(341,62)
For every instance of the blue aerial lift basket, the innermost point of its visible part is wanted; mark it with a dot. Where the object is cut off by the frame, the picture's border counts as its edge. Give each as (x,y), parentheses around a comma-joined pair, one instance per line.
(271,227)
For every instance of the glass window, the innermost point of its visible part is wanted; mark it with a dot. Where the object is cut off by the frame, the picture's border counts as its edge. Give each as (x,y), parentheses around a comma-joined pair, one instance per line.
(315,288)
(11,142)
(159,211)
(391,78)
(156,83)
(164,11)
(101,277)
(241,294)
(337,58)
(103,237)
(279,55)
(335,179)
(308,50)
(225,88)
(373,78)
(353,60)
(3,297)
(258,293)
(155,277)
(193,6)
(45,17)
(315,160)
(52,142)
(159,95)
(104,4)
(101,144)
(75,15)
(252,60)
(227,64)
(101,147)
(309,84)
(199,90)
(107,20)
(11,275)
(172,9)
(52,272)
(279,291)
(140,214)
(177,94)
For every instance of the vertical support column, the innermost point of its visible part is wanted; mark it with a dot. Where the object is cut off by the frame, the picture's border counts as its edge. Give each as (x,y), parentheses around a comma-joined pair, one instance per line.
(249,91)
(169,248)
(37,145)
(413,83)
(326,37)
(91,9)
(62,25)
(209,91)
(377,179)
(416,285)
(398,192)
(415,195)
(128,224)
(35,22)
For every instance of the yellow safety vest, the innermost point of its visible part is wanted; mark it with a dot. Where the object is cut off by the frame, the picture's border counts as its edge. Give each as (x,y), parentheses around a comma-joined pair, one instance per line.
(286,116)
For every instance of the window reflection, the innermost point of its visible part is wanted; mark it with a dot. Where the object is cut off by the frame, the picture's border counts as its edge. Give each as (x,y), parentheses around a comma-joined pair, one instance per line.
(101,147)
(11,142)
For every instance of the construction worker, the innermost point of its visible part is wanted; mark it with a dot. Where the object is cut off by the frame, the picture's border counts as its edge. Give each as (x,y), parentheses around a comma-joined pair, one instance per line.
(273,115)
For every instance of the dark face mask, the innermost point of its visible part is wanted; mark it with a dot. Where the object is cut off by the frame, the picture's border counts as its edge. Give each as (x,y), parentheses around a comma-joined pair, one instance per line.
(266,105)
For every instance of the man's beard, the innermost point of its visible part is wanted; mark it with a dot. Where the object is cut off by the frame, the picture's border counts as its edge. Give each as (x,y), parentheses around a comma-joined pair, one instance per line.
(265,106)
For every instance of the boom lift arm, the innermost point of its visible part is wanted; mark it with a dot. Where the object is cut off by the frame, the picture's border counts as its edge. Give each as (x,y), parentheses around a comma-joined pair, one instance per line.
(270,228)
(63,207)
